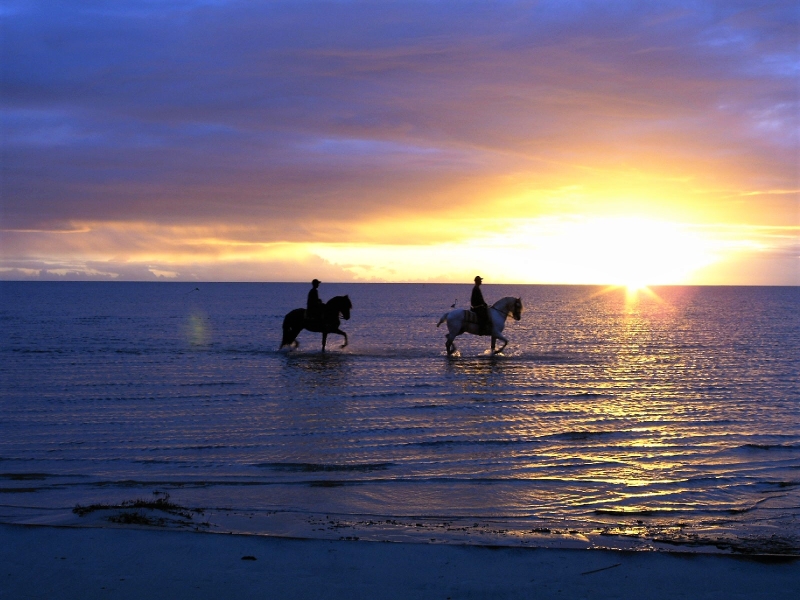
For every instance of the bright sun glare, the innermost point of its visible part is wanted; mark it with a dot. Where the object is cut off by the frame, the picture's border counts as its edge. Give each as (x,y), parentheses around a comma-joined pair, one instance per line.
(621,251)
(632,289)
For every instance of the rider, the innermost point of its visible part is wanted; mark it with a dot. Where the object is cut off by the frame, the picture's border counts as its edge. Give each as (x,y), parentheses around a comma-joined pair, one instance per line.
(479,306)
(314,305)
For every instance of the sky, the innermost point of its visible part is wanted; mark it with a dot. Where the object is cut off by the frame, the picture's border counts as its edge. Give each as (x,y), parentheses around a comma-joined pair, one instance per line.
(579,142)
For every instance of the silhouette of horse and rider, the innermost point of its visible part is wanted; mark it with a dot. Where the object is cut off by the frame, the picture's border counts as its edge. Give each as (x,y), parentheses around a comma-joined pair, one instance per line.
(317,316)
(481,319)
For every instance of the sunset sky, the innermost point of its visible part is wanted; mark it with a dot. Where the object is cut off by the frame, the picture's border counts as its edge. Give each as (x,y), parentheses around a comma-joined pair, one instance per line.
(531,142)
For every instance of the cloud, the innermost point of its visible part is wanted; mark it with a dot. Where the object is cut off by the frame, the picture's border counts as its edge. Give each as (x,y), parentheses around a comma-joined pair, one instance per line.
(322,122)
(304,269)
(577,249)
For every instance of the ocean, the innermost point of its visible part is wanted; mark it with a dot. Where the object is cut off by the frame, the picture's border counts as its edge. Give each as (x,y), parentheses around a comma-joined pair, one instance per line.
(663,421)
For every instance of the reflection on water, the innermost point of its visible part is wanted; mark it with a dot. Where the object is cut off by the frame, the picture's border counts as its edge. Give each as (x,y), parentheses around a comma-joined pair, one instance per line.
(316,370)
(479,376)
(652,421)
(198,330)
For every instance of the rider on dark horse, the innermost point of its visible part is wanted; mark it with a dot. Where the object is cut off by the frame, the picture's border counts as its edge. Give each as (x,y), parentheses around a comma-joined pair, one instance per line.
(479,307)
(314,306)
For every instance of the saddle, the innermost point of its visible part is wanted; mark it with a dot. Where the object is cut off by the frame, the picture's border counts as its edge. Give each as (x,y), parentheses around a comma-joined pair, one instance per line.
(470,316)
(319,319)
(312,317)
(485,327)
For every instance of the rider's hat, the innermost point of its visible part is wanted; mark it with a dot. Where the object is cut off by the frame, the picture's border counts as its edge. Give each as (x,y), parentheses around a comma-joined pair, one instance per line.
(478,279)
(315,282)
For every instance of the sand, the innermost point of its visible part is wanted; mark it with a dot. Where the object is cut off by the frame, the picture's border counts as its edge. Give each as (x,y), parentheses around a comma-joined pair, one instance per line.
(87,563)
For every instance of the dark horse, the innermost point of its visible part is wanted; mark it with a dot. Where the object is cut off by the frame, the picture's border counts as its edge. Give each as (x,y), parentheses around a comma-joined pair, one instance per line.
(296,321)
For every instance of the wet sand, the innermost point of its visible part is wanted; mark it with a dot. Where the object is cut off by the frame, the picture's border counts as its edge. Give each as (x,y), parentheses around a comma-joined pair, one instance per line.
(88,563)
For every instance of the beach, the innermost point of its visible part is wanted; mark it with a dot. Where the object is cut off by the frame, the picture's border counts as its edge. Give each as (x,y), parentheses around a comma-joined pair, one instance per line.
(88,563)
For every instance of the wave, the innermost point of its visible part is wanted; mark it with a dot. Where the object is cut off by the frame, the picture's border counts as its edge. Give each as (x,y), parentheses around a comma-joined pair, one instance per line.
(208,383)
(638,512)
(490,442)
(585,435)
(782,484)
(26,476)
(323,467)
(753,446)
(399,394)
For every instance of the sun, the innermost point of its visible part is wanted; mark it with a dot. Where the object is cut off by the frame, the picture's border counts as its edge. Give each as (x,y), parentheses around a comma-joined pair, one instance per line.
(634,292)
(633,288)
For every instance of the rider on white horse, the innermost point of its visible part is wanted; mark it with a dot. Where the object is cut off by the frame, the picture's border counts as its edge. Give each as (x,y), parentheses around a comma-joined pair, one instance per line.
(462,321)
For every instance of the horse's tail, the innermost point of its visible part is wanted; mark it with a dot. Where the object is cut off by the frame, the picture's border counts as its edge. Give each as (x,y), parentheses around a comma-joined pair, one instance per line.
(289,333)
(443,319)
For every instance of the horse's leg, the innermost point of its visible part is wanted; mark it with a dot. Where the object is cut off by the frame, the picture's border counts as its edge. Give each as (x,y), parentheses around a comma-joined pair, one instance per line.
(454,329)
(287,338)
(494,341)
(324,339)
(451,344)
(505,343)
(340,332)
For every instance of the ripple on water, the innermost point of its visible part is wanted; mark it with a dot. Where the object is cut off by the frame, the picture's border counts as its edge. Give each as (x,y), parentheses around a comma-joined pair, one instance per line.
(669,422)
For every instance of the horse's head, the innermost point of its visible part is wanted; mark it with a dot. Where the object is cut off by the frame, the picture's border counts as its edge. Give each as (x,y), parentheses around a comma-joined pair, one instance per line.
(342,305)
(346,306)
(517,310)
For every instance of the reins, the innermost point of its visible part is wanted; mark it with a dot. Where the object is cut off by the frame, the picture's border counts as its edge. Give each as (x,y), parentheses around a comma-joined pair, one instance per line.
(504,313)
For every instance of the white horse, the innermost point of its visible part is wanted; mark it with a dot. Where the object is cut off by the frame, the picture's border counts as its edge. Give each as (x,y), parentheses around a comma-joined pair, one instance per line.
(463,321)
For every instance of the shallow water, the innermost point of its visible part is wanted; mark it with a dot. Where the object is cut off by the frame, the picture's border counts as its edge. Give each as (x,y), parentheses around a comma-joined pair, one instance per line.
(662,421)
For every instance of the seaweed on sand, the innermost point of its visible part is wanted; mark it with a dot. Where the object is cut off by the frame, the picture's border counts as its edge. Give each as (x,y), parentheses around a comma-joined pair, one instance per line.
(132,512)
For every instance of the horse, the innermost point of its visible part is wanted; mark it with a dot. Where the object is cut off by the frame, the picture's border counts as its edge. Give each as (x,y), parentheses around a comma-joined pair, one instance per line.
(296,321)
(463,321)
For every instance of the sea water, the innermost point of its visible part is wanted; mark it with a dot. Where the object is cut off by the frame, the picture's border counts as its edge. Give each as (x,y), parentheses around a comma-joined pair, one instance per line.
(668,419)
